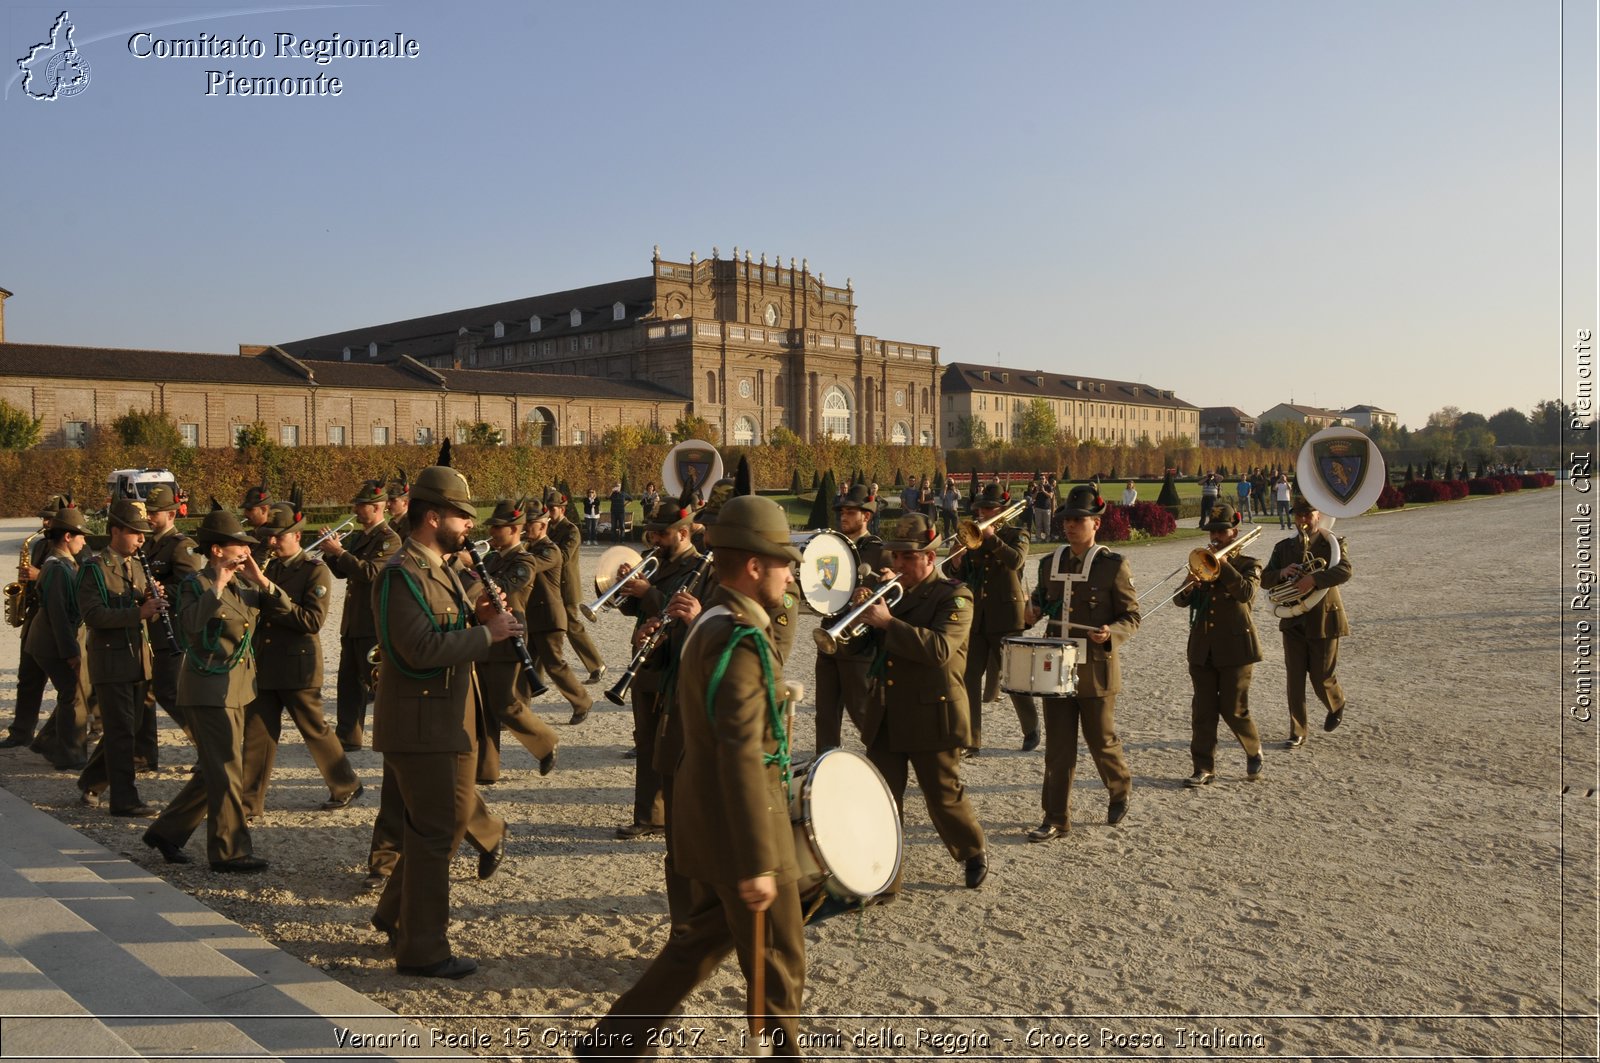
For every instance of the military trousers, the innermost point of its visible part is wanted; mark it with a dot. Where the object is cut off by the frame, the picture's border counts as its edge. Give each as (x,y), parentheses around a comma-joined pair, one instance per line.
(842,689)
(582,642)
(717,923)
(939,775)
(31,679)
(263,727)
(481,830)
(647,806)
(984,653)
(354,690)
(680,890)
(1220,694)
(64,739)
(164,668)
(1063,719)
(122,712)
(214,793)
(504,690)
(1318,660)
(437,800)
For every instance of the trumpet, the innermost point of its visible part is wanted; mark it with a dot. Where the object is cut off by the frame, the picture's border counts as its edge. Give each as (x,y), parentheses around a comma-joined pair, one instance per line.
(1204,566)
(830,638)
(638,568)
(619,690)
(328,533)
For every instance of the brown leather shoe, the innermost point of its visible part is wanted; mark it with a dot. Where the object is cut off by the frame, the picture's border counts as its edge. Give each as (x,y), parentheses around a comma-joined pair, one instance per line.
(1045,832)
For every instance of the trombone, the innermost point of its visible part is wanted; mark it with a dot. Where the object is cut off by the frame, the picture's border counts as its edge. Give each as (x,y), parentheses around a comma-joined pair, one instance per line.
(638,568)
(1204,566)
(328,533)
(845,628)
(970,531)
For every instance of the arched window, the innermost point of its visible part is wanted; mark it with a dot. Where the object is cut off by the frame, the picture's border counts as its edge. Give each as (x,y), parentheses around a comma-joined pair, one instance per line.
(744,432)
(711,385)
(900,435)
(836,417)
(541,427)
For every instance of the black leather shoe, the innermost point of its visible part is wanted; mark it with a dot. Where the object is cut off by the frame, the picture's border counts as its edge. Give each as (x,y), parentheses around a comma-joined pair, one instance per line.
(1045,832)
(977,870)
(138,811)
(382,927)
(1030,741)
(547,763)
(239,865)
(1333,720)
(450,967)
(1116,812)
(13,741)
(172,854)
(969,752)
(636,830)
(88,800)
(1295,743)
(373,882)
(1199,779)
(333,803)
(595,676)
(1252,768)
(489,862)
(578,716)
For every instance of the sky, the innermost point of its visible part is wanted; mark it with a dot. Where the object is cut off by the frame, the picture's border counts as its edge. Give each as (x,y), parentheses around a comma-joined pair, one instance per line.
(1248,203)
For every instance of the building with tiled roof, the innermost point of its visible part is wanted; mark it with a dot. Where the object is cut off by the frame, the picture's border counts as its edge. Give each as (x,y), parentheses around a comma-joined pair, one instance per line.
(1314,416)
(1226,426)
(750,345)
(1115,412)
(1365,416)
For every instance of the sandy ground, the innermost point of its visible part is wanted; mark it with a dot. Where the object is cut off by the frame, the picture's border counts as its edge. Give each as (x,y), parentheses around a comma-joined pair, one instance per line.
(1402,887)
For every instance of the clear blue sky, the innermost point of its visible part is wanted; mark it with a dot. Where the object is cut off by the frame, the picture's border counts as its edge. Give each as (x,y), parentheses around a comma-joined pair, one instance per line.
(1347,203)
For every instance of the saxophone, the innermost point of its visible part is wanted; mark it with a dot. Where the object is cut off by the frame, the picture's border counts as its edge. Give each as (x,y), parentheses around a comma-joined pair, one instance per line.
(19,594)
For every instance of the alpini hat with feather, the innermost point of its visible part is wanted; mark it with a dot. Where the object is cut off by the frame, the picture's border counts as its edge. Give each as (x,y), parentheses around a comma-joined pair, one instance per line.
(221,527)
(755,524)
(440,485)
(68,517)
(509,514)
(1083,501)
(371,493)
(128,513)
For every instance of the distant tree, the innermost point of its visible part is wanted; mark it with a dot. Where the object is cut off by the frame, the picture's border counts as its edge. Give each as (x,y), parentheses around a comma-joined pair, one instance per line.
(18,431)
(816,479)
(938,482)
(481,433)
(1511,426)
(693,426)
(821,515)
(1547,421)
(795,487)
(970,433)
(899,478)
(251,435)
(148,428)
(1471,420)
(1411,473)
(1037,428)
(782,437)
(1275,435)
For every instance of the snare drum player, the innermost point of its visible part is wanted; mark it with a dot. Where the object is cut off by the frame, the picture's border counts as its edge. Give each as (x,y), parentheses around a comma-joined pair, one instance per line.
(916,718)
(1105,604)
(994,572)
(842,683)
(1223,650)
(733,839)
(1311,640)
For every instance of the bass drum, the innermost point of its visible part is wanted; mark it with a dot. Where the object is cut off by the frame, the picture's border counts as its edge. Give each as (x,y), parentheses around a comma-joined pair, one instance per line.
(846,828)
(828,572)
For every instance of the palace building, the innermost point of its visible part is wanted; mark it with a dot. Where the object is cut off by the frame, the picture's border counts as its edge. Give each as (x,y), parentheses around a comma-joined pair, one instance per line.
(748,343)
(1113,412)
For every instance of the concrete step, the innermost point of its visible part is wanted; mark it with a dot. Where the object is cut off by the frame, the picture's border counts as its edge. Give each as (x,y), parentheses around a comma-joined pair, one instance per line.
(41,1017)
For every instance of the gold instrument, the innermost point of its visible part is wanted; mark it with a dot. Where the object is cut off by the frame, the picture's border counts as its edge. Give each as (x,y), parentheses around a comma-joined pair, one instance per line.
(19,592)
(374,660)
(845,628)
(970,532)
(1204,566)
(607,583)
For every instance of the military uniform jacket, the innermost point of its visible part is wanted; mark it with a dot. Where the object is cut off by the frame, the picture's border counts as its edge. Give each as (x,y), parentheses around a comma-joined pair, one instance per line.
(1221,632)
(219,632)
(1326,619)
(1106,597)
(110,589)
(568,538)
(672,576)
(56,634)
(365,553)
(427,690)
(289,643)
(173,556)
(994,572)
(920,694)
(730,819)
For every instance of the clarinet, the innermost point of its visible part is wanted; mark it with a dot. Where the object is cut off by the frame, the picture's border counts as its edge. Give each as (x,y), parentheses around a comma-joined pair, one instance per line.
(156,590)
(517,643)
(619,691)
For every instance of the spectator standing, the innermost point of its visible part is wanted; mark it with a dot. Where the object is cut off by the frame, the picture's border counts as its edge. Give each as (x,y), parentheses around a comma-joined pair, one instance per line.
(911,497)
(1280,494)
(1042,499)
(619,510)
(950,506)
(1130,494)
(1244,497)
(591,518)
(650,498)
(1209,484)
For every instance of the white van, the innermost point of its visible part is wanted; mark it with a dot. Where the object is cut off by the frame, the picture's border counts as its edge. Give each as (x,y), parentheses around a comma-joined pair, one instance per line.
(136,483)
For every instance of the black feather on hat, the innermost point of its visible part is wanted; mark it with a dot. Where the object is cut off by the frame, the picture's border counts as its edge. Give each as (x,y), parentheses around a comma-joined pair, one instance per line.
(444,454)
(297,503)
(743,482)
(215,505)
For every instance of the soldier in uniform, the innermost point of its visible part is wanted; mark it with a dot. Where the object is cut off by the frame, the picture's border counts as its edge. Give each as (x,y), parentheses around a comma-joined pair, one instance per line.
(1311,640)
(55,642)
(218,616)
(668,531)
(732,836)
(356,559)
(30,677)
(399,504)
(423,721)
(994,573)
(569,538)
(173,557)
(1103,604)
(917,715)
(289,668)
(255,509)
(115,600)
(842,683)
(529,576)
(1222,652)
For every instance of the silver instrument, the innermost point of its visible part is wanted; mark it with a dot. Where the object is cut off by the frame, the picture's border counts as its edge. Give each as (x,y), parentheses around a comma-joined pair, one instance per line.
(314,550)
(607,584)
(846,627)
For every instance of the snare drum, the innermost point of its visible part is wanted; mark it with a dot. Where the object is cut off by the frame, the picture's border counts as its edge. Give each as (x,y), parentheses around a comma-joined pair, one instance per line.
(846,828)
(1043,667)
(828,567)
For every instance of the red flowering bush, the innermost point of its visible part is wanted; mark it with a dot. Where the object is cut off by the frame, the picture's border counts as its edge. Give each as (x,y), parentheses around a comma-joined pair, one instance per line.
(1114,527)
(1458,488)
(1431,490)
(1390,498)
(1151,518)
(1538,479)
(1487,485)
(1510,482)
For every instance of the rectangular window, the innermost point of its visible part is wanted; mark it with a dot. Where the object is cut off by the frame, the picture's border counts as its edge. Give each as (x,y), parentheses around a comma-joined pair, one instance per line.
(76,433)
(461,434)
(380,436)
(289,435)
(336,435)
(577,435)
(424,437)
(238,432)
(190,434)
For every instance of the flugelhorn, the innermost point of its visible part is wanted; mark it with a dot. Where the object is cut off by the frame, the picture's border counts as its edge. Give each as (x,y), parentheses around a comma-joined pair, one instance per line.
(845,628)
(1204,566)
(607,583)
(328,533)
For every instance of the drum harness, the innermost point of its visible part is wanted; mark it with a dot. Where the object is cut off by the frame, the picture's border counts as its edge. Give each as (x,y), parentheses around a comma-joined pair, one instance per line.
(1058,572)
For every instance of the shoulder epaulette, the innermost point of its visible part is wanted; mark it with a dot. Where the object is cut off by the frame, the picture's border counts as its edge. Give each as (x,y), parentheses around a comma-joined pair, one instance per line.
(395,559)
(954,582)
(1111,556)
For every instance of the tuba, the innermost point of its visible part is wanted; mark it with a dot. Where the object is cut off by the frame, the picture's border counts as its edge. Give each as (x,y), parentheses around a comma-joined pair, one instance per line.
(1341,472)
(19,594)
